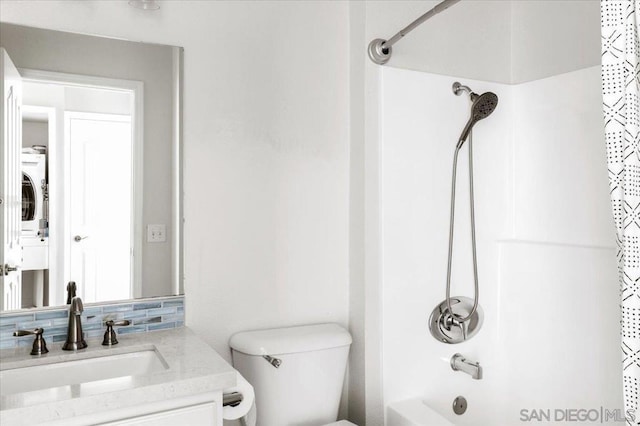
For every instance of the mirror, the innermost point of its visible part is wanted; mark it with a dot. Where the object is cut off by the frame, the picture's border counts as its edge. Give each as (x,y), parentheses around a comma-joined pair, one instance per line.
(100,167)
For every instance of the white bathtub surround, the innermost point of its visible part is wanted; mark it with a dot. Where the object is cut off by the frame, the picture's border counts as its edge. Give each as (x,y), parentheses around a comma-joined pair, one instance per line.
(621,101)
(194,372)
(546,255)
(414,412)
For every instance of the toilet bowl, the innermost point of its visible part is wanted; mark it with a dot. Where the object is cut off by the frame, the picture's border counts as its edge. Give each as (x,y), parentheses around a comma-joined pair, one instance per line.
(297,372)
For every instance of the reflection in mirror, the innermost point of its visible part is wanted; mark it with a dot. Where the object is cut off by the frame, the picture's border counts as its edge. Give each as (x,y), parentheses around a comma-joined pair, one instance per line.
(99,169)
(81,179)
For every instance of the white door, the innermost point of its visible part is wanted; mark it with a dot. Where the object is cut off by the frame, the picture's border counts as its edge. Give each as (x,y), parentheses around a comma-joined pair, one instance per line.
(10,185)
(100,198)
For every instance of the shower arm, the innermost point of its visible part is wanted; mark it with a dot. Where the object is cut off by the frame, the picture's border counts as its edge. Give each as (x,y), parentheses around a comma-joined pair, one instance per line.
(380,49)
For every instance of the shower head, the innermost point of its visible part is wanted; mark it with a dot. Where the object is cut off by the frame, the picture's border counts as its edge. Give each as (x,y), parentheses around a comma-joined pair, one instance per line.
(482,106)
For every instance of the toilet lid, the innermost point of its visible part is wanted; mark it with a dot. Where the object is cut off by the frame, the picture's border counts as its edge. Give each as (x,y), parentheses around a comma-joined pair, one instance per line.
(290,340)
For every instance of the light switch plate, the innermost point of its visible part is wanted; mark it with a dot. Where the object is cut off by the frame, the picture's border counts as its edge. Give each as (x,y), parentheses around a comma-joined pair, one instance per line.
(156,233)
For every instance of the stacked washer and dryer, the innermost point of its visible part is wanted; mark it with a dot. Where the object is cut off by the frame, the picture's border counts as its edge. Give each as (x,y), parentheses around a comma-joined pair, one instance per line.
(35,234)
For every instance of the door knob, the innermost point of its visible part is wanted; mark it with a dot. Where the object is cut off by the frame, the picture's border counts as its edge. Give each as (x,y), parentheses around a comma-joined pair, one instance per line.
(7,268)
(78,238)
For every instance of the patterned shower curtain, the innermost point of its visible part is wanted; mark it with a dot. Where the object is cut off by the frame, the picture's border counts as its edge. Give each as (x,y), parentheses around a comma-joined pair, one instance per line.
(621,105)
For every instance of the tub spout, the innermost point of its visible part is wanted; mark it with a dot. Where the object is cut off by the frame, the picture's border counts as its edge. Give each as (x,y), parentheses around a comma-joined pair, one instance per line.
(460,363)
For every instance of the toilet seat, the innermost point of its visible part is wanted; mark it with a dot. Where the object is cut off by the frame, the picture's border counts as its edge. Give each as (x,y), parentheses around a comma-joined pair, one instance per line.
(341,423)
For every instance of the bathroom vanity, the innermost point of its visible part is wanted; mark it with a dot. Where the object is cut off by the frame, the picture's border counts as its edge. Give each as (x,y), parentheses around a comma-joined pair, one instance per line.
(156,378)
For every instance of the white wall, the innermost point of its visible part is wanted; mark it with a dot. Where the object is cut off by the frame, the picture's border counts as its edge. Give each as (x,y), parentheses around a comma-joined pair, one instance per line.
(34,133)
(470,38)
(501,41)
(553,37)
(357,294)
(547,267)
(266,147)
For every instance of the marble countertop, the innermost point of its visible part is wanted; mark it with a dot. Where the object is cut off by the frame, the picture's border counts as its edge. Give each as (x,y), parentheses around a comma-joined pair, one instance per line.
(194,369)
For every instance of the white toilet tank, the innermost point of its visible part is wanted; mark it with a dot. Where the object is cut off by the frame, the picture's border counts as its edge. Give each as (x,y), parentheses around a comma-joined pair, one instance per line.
(305,389)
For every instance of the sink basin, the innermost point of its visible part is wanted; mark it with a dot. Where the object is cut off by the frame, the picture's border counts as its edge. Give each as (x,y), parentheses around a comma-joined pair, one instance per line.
(78,372)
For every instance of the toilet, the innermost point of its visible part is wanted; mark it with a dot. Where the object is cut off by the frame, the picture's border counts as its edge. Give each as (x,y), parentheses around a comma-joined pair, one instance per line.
(297,373)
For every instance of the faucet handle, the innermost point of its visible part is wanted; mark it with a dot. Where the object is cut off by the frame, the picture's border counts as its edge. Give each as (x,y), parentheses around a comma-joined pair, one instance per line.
(111,323)
(451,320)
(39,345)
(110,334)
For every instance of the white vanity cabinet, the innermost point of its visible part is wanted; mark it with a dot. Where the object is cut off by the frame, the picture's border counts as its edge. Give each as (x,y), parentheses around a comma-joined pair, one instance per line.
(196,410)
(203,414)
(186,389)
(209,413)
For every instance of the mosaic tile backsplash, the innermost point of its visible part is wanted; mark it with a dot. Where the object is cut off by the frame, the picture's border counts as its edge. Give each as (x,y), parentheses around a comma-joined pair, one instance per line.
(145,315)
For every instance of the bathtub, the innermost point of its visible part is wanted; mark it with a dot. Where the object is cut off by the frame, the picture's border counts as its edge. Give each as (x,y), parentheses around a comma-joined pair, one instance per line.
(418,412)
(414,412)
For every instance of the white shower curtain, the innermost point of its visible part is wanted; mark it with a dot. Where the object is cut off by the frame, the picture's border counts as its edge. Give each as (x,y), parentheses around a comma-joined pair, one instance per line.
(621,102)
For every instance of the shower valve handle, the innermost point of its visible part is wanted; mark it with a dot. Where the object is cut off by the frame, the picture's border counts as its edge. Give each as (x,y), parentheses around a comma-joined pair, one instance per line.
(451,320)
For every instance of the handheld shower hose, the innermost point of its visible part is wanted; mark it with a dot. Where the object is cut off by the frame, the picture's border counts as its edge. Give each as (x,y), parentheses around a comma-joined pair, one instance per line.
(473,233)
(482,106)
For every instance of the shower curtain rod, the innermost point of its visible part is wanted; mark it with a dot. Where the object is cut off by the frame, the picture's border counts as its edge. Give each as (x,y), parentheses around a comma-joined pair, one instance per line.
(380,49)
